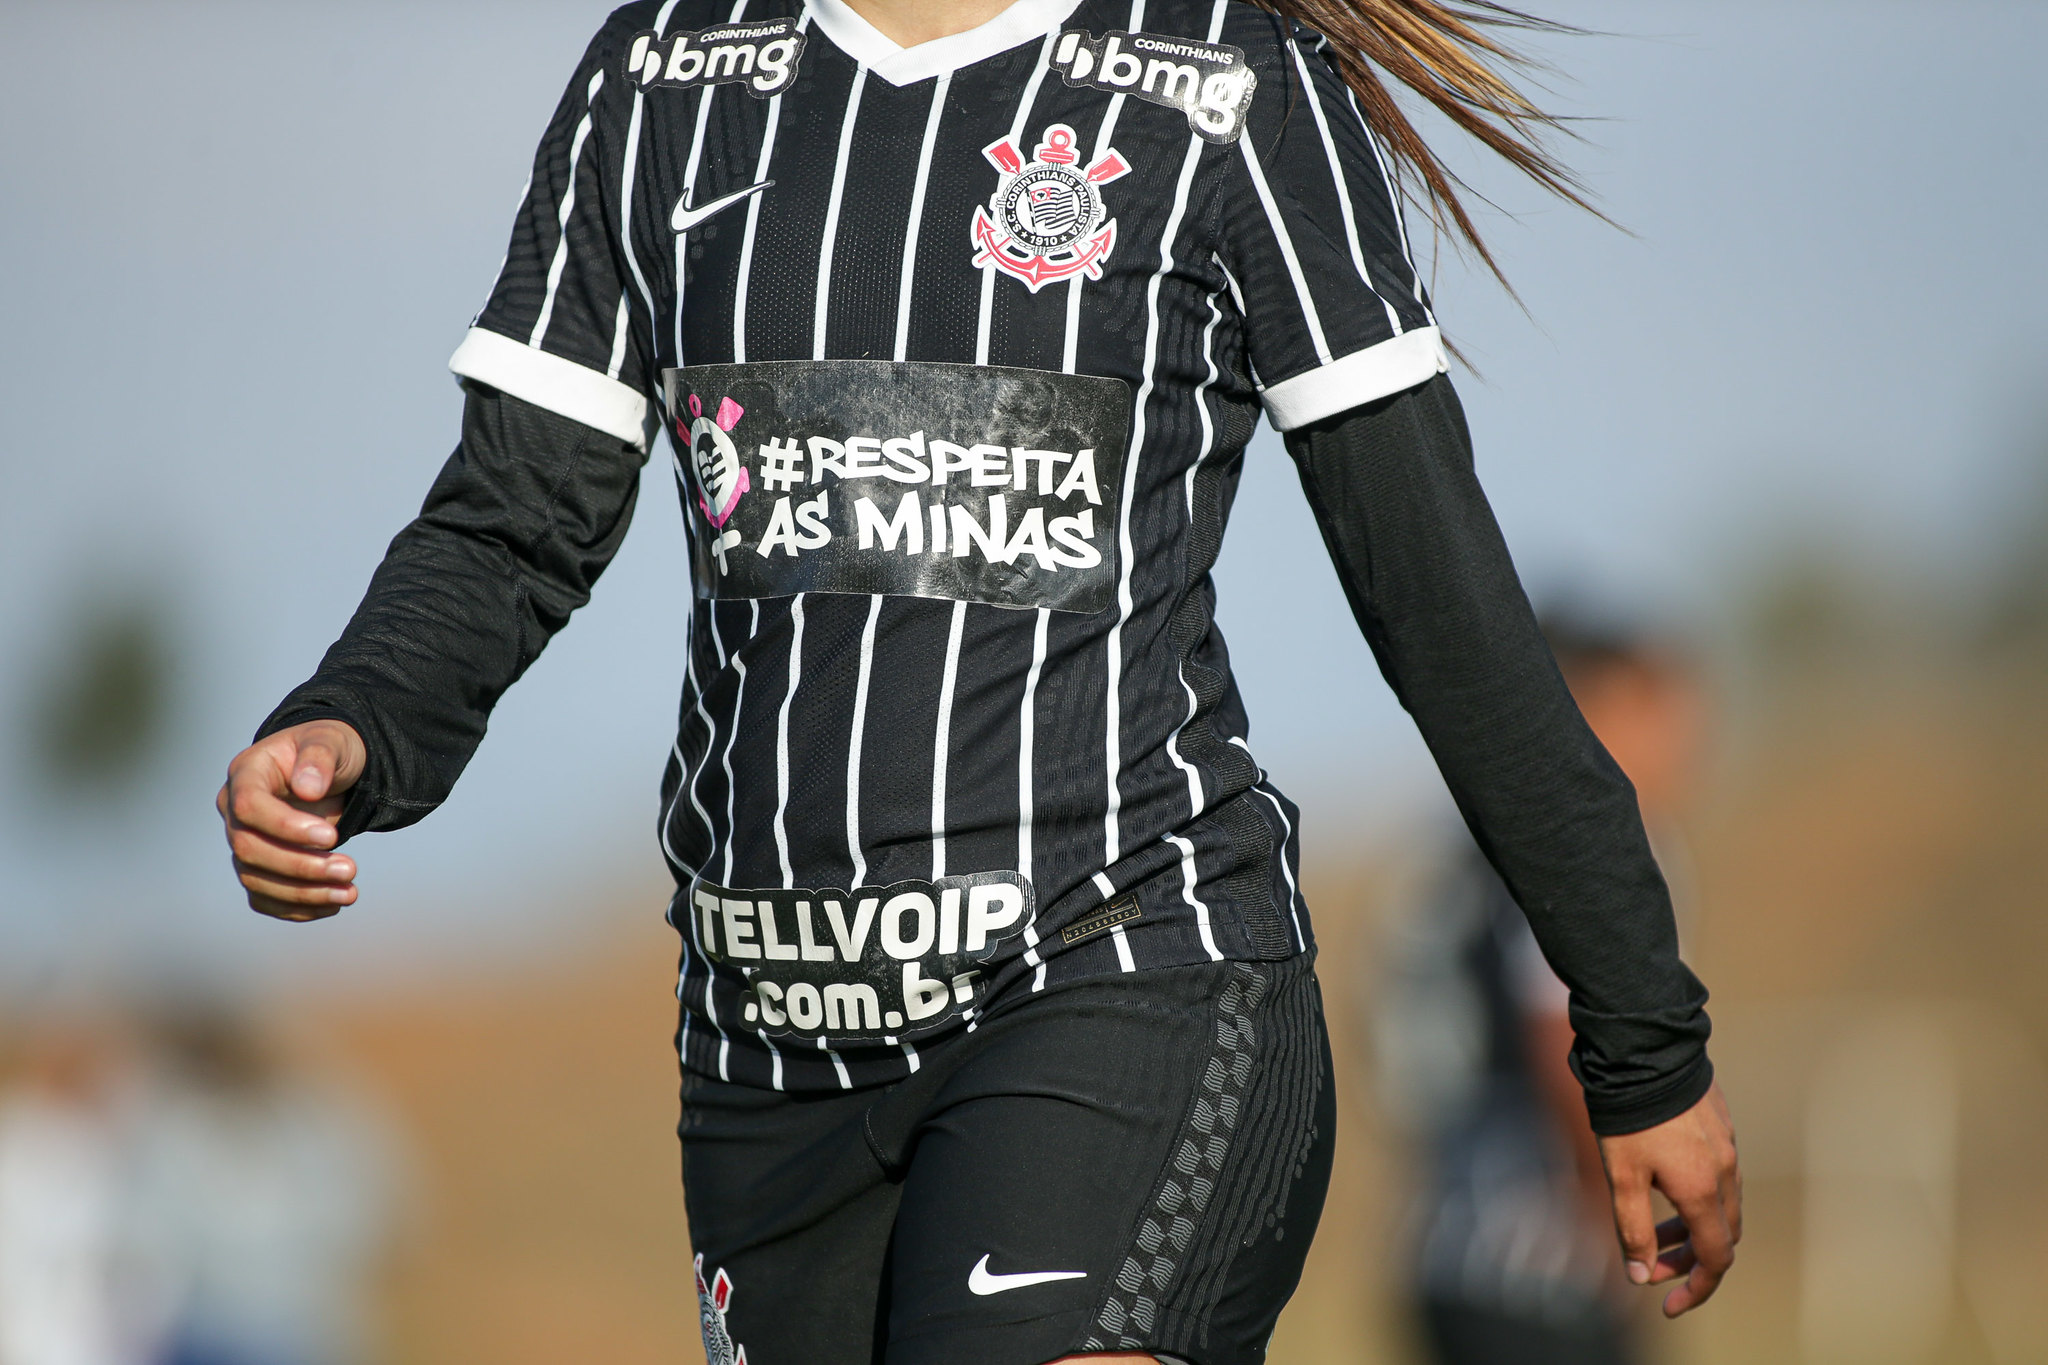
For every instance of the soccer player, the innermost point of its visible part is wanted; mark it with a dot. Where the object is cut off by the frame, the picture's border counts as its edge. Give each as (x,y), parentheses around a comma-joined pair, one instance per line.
(1000,1037)
(1512,1260)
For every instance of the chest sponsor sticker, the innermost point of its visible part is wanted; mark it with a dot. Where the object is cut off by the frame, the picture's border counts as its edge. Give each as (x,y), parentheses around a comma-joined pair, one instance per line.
(1209,82)
(1046,221)
(761,57)
(866,965)
(963,482)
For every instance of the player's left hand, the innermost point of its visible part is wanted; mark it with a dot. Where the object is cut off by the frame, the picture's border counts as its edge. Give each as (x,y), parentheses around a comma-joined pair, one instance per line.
(1691,1161)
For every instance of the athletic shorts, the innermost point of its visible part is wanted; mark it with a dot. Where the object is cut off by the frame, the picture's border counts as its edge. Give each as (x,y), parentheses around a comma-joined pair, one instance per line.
(1124,1163)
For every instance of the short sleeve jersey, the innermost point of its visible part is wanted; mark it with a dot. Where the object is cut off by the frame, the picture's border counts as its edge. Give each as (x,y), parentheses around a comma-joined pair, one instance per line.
(956,350)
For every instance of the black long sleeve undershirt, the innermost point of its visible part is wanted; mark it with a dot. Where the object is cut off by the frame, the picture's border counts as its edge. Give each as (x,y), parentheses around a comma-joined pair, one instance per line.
(523,518)
(1428,576)
(532,506)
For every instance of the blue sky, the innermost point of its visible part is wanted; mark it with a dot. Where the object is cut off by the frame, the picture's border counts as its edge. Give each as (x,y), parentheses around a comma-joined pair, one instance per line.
(242,238)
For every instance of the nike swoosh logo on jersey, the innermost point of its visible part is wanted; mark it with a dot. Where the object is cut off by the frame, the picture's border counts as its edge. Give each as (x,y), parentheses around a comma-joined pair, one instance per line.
(686,217)
(982,1282)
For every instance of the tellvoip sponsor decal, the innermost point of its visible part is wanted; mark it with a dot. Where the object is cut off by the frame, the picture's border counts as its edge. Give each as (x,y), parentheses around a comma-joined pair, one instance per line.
(761,56)
(873,963)
(1209,82)
(970,483)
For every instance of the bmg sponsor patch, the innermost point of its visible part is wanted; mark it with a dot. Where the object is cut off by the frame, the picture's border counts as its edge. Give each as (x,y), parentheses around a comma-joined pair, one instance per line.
(964,482)
(760,56)
(1209,82)
(861,965)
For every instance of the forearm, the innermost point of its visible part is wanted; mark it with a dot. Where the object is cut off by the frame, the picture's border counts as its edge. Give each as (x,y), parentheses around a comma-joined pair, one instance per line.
(1431,583)
(518,526)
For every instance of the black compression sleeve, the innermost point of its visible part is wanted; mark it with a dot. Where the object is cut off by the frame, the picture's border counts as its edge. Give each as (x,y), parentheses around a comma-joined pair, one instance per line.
(1429,579)
(515,531)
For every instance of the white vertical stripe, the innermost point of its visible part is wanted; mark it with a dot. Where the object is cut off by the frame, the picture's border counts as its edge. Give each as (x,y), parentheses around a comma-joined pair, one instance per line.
(845,1081)
(688,780)
(1187,891)
(1394,200)
(1286,834)
(688,777)
(710,738)
(561,260)
(1197,799)
(1202,408)
(1027,738)
(629,175)
(824,290)
(1294,272)
(989,272)
(796,673)
(746,268)
(682,243)
(924,175)
(774,1057)
(853,747)
(1116,931)
(1315,107)
(943,743)
(621,328)
(1123,949)
(1102,137)
(1111,829)
(739,699)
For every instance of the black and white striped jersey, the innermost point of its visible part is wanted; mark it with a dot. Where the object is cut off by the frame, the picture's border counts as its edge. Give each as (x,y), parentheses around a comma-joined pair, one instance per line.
(957,349)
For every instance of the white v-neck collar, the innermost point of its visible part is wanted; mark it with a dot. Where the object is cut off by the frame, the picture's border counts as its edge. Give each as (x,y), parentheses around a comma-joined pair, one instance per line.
(868,45)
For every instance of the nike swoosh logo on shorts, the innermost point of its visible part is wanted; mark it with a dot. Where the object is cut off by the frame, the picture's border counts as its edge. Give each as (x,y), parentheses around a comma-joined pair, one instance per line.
(982,1282)
(686,217)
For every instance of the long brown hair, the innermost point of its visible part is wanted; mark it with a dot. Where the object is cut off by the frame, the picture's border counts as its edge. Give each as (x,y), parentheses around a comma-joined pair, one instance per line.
(1445,54)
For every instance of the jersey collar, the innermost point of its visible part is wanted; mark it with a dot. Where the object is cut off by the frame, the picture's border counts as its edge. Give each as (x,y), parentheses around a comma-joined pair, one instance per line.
(1023,21)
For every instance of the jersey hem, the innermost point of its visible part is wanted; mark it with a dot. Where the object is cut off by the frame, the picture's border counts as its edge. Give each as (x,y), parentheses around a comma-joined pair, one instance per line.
(547,380)
(1362,377)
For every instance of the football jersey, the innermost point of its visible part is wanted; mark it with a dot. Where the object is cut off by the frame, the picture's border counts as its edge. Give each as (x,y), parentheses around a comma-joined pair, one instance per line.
(955,350)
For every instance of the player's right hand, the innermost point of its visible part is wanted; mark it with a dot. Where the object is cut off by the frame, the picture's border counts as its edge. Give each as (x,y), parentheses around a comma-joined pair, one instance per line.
(279,805)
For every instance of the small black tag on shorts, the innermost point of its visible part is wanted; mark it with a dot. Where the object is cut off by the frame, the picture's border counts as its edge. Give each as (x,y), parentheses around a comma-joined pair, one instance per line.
(1122,910)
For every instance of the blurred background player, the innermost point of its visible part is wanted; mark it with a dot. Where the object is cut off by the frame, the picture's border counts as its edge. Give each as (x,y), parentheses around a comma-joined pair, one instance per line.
(1513,1253)
(64,1298)
(188,1194)
(262,1196)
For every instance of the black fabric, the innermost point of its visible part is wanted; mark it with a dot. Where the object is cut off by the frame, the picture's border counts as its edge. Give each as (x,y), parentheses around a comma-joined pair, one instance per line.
(838,741)
(1165,1139)
(1430,581)
(523,518)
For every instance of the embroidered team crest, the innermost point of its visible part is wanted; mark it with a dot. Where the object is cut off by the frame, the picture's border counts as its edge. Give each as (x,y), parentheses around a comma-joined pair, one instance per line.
(714,459)
(1045,221)
(711,1303)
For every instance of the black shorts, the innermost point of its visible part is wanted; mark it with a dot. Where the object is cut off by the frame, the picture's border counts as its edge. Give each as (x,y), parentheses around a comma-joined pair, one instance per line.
(1125,1163)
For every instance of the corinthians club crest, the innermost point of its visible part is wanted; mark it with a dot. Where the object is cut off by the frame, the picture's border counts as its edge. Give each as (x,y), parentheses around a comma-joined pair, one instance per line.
(721,478)
(1045,221)
(712,1301)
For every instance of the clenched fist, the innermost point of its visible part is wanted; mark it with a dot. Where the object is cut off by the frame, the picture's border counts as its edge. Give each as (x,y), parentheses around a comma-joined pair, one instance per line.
(279,804)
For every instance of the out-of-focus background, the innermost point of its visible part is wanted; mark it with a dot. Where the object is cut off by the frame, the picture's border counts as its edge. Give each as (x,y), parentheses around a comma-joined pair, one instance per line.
(1793,425)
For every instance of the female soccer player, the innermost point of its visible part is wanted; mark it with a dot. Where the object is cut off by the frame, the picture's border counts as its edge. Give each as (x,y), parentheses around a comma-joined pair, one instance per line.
(1000,1037)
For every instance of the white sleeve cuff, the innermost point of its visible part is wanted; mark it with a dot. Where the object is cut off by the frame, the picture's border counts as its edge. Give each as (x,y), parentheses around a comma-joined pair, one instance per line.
(548,381)
(1390,367)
